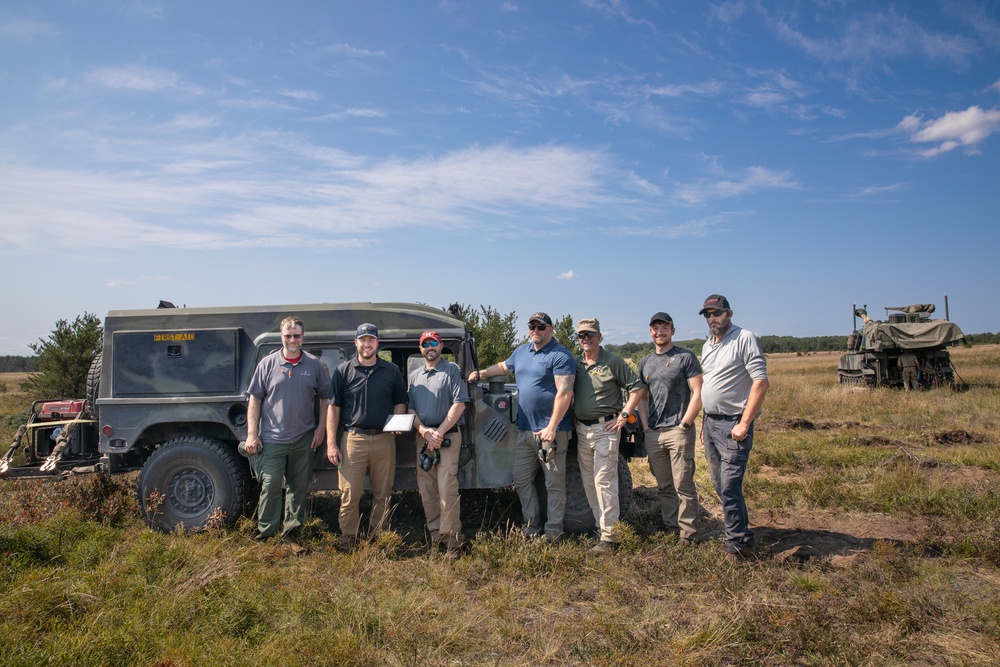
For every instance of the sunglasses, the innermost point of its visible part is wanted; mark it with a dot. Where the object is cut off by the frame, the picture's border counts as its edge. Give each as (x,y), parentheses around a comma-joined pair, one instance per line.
(583,335)
(291,336)
(429,343)
(537,327)
(714,313)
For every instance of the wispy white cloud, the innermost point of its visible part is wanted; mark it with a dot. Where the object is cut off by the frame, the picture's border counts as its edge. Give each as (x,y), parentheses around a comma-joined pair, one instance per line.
(27,30)
(567,275)
(301,95)
(139,78)
(877,190)
(731,185)
(698,228)
(877,35)
(351,51)
(227,193)
(617,9)
(956,129)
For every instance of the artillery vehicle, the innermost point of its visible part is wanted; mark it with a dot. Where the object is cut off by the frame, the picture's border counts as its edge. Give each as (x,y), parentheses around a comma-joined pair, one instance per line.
(167,396)
(874,349)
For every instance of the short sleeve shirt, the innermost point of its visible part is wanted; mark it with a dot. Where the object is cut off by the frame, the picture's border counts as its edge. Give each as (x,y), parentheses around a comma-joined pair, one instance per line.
(599,388)
(535,372)
(366,395)
(730,367)
(432,391)
(288,394)
(667,376)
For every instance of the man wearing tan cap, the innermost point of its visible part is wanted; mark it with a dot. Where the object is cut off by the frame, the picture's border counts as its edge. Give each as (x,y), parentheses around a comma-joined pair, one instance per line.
(602,379)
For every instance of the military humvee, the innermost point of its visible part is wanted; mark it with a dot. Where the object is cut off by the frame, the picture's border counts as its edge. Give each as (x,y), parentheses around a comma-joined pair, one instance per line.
(873,350)
(167,397)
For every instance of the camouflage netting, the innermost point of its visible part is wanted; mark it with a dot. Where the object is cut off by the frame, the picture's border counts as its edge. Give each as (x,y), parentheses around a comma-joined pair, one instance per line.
(912,335)
(915,308)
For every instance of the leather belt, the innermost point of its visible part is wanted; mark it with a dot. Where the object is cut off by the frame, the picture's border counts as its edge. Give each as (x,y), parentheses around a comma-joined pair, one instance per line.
(363,431)
(454,429)
(726,418)
(599,420)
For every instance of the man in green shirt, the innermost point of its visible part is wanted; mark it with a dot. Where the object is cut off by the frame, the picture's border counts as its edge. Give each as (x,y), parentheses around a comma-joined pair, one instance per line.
(602,380)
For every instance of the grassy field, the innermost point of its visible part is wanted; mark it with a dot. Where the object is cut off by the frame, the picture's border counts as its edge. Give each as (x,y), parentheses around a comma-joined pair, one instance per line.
(877,511)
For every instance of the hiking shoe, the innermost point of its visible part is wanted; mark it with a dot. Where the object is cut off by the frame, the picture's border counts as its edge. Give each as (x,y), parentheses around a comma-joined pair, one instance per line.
(687,541)
(604,547)
(554,539)
(742,555)
(347,543)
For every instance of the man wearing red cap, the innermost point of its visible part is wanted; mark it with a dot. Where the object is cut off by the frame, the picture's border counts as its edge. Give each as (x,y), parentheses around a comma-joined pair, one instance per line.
(438,395)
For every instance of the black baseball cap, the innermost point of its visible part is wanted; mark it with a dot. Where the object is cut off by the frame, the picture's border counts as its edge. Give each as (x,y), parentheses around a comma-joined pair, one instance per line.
(540,317)
(714,302)
(367,329)
(661,317)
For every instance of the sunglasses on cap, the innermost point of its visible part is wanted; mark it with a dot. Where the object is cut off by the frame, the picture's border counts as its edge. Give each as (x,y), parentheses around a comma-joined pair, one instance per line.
(429,343)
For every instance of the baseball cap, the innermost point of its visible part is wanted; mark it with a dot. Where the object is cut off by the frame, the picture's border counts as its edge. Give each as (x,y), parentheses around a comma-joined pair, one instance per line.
(367,329)
(714,302)
(540,317)
(431,335)
(661,317)
(589,324)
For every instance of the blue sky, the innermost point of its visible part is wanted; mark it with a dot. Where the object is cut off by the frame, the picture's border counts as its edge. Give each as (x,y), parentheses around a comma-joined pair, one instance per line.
(605,158)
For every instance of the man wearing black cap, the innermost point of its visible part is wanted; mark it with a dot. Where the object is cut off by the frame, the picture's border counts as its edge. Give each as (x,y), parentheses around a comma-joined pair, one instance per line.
(366,390)
(674,378)
(733,393)
(438,395)
(545,371)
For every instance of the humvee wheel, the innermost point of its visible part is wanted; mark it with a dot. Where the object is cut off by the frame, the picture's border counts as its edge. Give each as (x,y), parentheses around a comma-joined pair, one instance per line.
(94,387)
(579,518)
(191,481)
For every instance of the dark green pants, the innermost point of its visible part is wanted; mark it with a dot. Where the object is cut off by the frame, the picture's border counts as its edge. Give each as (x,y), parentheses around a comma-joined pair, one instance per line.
(289,464)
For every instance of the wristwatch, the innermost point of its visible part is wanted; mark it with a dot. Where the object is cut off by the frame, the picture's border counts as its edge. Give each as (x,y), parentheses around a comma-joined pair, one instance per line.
(624,414)
(686,425)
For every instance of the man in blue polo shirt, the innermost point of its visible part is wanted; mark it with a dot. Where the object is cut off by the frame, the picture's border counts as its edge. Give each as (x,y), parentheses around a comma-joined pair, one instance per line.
(545,372)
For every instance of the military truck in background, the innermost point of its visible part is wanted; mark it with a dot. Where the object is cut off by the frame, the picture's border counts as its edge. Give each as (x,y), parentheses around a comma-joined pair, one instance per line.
(167,397)
(874,348)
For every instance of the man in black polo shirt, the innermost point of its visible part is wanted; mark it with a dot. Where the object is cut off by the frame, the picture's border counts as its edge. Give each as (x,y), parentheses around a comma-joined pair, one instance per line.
(366,391)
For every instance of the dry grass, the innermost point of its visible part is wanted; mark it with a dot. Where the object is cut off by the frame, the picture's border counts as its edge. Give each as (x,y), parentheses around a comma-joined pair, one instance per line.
(889,507)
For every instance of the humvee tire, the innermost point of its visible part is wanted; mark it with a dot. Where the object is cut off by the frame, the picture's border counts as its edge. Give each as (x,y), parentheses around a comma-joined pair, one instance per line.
(189,481)
(579,518)
(94,386)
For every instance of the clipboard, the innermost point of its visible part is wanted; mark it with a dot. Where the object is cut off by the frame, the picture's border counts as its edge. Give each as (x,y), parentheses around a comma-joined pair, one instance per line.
(399,423)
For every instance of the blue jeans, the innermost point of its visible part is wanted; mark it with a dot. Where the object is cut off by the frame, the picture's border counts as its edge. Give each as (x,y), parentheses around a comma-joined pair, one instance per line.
(727,464)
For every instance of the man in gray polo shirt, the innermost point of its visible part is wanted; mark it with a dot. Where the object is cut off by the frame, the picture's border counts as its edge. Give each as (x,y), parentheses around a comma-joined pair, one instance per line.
(282,426)
(438,395)
(735,374)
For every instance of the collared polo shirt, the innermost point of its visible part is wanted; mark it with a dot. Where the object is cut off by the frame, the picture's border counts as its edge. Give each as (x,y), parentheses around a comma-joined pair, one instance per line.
(730,368)
(667,376)
(599,389)
(535,372)
(288,392)
(367,395)
(432,391)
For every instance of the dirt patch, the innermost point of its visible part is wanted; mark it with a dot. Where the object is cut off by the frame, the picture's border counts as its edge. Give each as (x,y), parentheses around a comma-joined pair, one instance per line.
(806,425)
(958,437)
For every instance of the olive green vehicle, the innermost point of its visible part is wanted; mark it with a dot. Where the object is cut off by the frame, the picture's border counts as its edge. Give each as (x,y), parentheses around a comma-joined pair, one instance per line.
(874,348)
(167,397)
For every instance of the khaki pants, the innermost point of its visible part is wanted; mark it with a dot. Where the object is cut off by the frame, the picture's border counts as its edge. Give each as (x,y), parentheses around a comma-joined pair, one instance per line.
(597,452)
(909,378)
(671,460)
(439,492)
(362,453)
(526,464)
